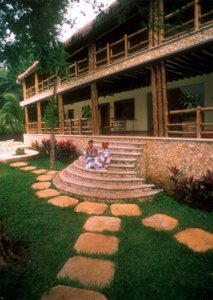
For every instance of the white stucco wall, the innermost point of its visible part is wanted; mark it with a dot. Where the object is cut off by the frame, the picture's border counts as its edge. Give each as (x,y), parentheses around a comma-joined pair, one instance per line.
(140,95)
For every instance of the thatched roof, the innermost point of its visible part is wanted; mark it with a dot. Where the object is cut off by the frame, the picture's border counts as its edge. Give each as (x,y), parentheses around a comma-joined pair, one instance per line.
(26,73)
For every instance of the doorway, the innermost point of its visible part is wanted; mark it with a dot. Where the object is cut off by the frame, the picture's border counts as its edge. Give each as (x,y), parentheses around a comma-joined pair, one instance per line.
(105,117)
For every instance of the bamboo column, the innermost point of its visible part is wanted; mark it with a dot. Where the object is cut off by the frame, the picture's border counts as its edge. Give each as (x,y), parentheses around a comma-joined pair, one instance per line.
(39,116)
(36,83)
(24,89)
(26,118)
(95,109)
(61,114)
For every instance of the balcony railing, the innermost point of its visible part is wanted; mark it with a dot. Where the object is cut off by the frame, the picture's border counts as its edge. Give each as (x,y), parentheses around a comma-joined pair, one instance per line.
(30,91)
(80,126)
(196,128)
(133,43)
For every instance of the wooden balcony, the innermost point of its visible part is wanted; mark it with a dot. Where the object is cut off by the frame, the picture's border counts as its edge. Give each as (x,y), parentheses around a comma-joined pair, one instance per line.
(195,128)
(82,126)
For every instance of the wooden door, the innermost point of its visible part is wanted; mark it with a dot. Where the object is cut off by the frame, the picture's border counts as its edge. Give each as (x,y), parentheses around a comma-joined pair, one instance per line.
(105,117)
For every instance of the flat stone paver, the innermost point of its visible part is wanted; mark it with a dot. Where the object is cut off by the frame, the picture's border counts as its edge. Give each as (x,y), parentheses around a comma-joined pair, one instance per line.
(63,201)
(91,208)
(52,172)
(125,210)
(88,271)
(160,222)
(47,193)
(100,224)
(28,168)
(44,177)
(40,171)
(41,185)
(63,292)
(19,164)
(96,243)
(196,239)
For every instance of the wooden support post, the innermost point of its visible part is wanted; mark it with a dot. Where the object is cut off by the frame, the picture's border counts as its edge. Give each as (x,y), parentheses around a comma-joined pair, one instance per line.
(197,14)
(95,109)
(154,101)
(199,121)
(151,42)
(39,117)
(160,101)
(92,56)
(36,83)
(76,69)
(108,54)
(164,96)
(26,119)
(161,21)
(24,89)
(61,114)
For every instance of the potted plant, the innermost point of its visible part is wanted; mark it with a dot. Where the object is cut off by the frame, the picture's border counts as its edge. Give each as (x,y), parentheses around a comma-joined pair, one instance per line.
(189,100)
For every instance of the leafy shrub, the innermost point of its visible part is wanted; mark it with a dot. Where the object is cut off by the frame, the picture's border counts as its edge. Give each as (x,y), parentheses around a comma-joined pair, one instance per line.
(65,150)
(197,192)
(20,151)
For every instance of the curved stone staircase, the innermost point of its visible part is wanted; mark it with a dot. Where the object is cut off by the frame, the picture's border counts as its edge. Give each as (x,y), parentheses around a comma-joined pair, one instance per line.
(119,183)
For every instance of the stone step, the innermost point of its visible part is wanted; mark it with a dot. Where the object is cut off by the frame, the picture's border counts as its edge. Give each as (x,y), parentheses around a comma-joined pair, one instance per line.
(90,177)
(77,165)
(95,195)
(103,186)
(122,149)
(120,140)
(111,166)
(117,161)
(112,144)
(124,155)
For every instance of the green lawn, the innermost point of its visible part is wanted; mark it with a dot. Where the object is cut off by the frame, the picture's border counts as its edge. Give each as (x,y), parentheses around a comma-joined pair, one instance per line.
(149,264)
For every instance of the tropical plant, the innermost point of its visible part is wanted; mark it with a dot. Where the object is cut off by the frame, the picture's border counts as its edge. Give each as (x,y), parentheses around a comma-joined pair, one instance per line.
(197,192)
(12,114)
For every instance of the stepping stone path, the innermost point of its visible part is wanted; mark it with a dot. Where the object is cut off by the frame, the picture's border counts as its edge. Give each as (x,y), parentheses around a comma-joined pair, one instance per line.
(196,239)
(160,222)
(88,271)
(41,185)
(47,193)
(19,164)
(92,208)
(28,168)
(52,172)
(63,201)
(44,178)
(60,292)
(125,210)
(40,171)
(100,224)
(92,243)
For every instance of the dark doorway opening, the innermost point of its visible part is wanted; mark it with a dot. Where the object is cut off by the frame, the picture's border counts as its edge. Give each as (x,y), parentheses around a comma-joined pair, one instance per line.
(105,117)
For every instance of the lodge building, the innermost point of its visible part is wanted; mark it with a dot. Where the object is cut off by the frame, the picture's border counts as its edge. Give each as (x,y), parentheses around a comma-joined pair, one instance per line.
(128,73)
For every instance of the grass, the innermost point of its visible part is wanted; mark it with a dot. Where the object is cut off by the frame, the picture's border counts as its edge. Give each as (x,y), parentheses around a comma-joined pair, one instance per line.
(149,264)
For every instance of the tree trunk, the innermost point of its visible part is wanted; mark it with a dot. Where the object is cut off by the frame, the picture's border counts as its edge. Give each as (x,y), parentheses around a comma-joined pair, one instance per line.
(52,150)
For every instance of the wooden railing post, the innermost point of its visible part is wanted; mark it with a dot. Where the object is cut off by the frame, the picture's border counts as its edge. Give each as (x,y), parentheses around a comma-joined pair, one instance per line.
(36,83)
(80,126)
(199,122)
(61,114)
(76,68)
(108,54)
(197,14)
(126,45)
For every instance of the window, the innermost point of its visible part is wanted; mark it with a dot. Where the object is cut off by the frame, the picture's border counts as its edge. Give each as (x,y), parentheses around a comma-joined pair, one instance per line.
(125,109)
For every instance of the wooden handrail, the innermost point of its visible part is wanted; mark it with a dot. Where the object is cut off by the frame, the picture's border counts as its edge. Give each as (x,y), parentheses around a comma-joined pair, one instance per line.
(172,14)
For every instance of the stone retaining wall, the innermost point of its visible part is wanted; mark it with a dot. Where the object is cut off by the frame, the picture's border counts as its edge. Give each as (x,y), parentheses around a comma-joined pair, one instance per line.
(192,156)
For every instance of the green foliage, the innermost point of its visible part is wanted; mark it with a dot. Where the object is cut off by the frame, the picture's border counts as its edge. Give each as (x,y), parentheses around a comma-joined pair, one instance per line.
(197,192)
(86,111)
(51,114)
(11,114)
(189,99)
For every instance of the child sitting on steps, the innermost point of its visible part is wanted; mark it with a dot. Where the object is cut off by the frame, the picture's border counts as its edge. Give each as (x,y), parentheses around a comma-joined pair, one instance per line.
(103,160)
